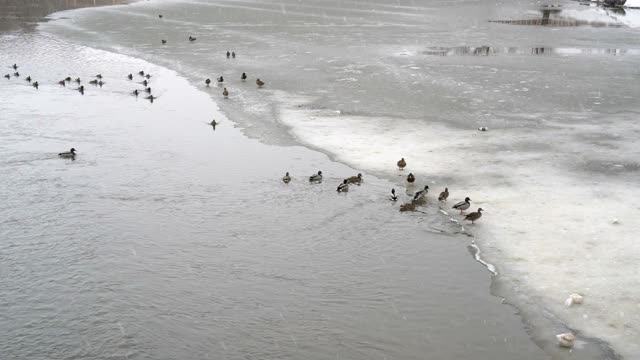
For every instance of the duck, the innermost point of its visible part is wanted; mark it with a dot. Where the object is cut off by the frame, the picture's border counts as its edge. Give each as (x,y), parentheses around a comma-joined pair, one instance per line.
(344,187)
(130,76)
(401,164)
(144,82)
(474,216)
(574,299)
(355,179)
(462,205)
(233,54)
(422,193)
(67,79)
(259,82)
(213,124)
(8,76)
(81,89)
(141,73)
(99,76)
(136,92)
(411,178)
(35,85)
(566,340)
(68,154)
(16,74)
(163,41)
(316,177)
(61,82)
(225,93)
(286,178)
(393,196)
(160,16)
(148,90)
(100,83)
(15,67)
(407,207)
(444,195)
(148,76)
(208,82)
(28,78)
(78,80)
(228,54)
(93,82)
(243,77)
(192,39)
(151,98)
(220,79)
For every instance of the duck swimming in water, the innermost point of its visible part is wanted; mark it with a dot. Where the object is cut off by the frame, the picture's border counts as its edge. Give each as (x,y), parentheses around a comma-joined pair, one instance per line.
(233,54)
(401,164)
(355,179)
(164,41)
(393,196)
(208,82)
(243,77)
(462,205)
(99,76)
(316,178)
(78,80)
(100,83)
(8,76)
(68,154)
(151,98)
(136,92)
(259,82)
(220,79)
(148,76)
(93,82)
(81,89)
(444,195)
(192,39)
(16,74)
(474,216)
(411,178)
(228,54)
(15,67)
(160,16)
(422,193)
(28,78)
(61,82)
(286,178)
(225,93)
(141,73)
(344,187)
(145,82)
(148,90)
(130,76)
(67,79)
(35,85)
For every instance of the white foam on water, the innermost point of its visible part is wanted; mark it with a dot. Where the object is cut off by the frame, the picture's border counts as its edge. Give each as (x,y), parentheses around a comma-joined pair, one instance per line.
(550,231)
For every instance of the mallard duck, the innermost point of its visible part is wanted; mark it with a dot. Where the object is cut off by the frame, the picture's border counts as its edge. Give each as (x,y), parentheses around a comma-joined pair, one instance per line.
(68,154)
(145,82)
(259,82)
(286,178)
(67,79)
(28,78)
(228,54)
(99,76)
(8,76)
(462,205)
(225,93)
(474,216)
(192,39)
(213,124)
(401,164)
(233,54)
(15,67)
(220,79)
(151,98)
(130,76)
(61,82)
(136,92)
(16,74)
(444,195)
(566,340)
(93,82)
(355,179)
(100,83)
(411,178)
(35,85)
(148,90)
(393,196)
(344,187)
(407,207)
(141,73)
(574,299)
(148,76)
(163,41)
(243,77)
(208,82)
(422,193)
(78,80)
(316,178)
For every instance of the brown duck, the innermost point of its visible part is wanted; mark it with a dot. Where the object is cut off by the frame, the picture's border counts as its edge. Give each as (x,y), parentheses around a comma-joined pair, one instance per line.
(474,216)
(444,195)
(401,164)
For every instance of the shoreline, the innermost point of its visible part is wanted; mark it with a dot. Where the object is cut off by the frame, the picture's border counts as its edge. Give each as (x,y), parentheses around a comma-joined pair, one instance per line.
(335,158)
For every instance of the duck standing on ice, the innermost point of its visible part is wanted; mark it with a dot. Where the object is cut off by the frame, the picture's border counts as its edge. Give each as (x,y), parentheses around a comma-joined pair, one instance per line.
(286,178)
(462,205)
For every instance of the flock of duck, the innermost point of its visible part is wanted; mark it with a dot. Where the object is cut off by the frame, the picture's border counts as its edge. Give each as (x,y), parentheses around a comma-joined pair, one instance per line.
(419,197)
